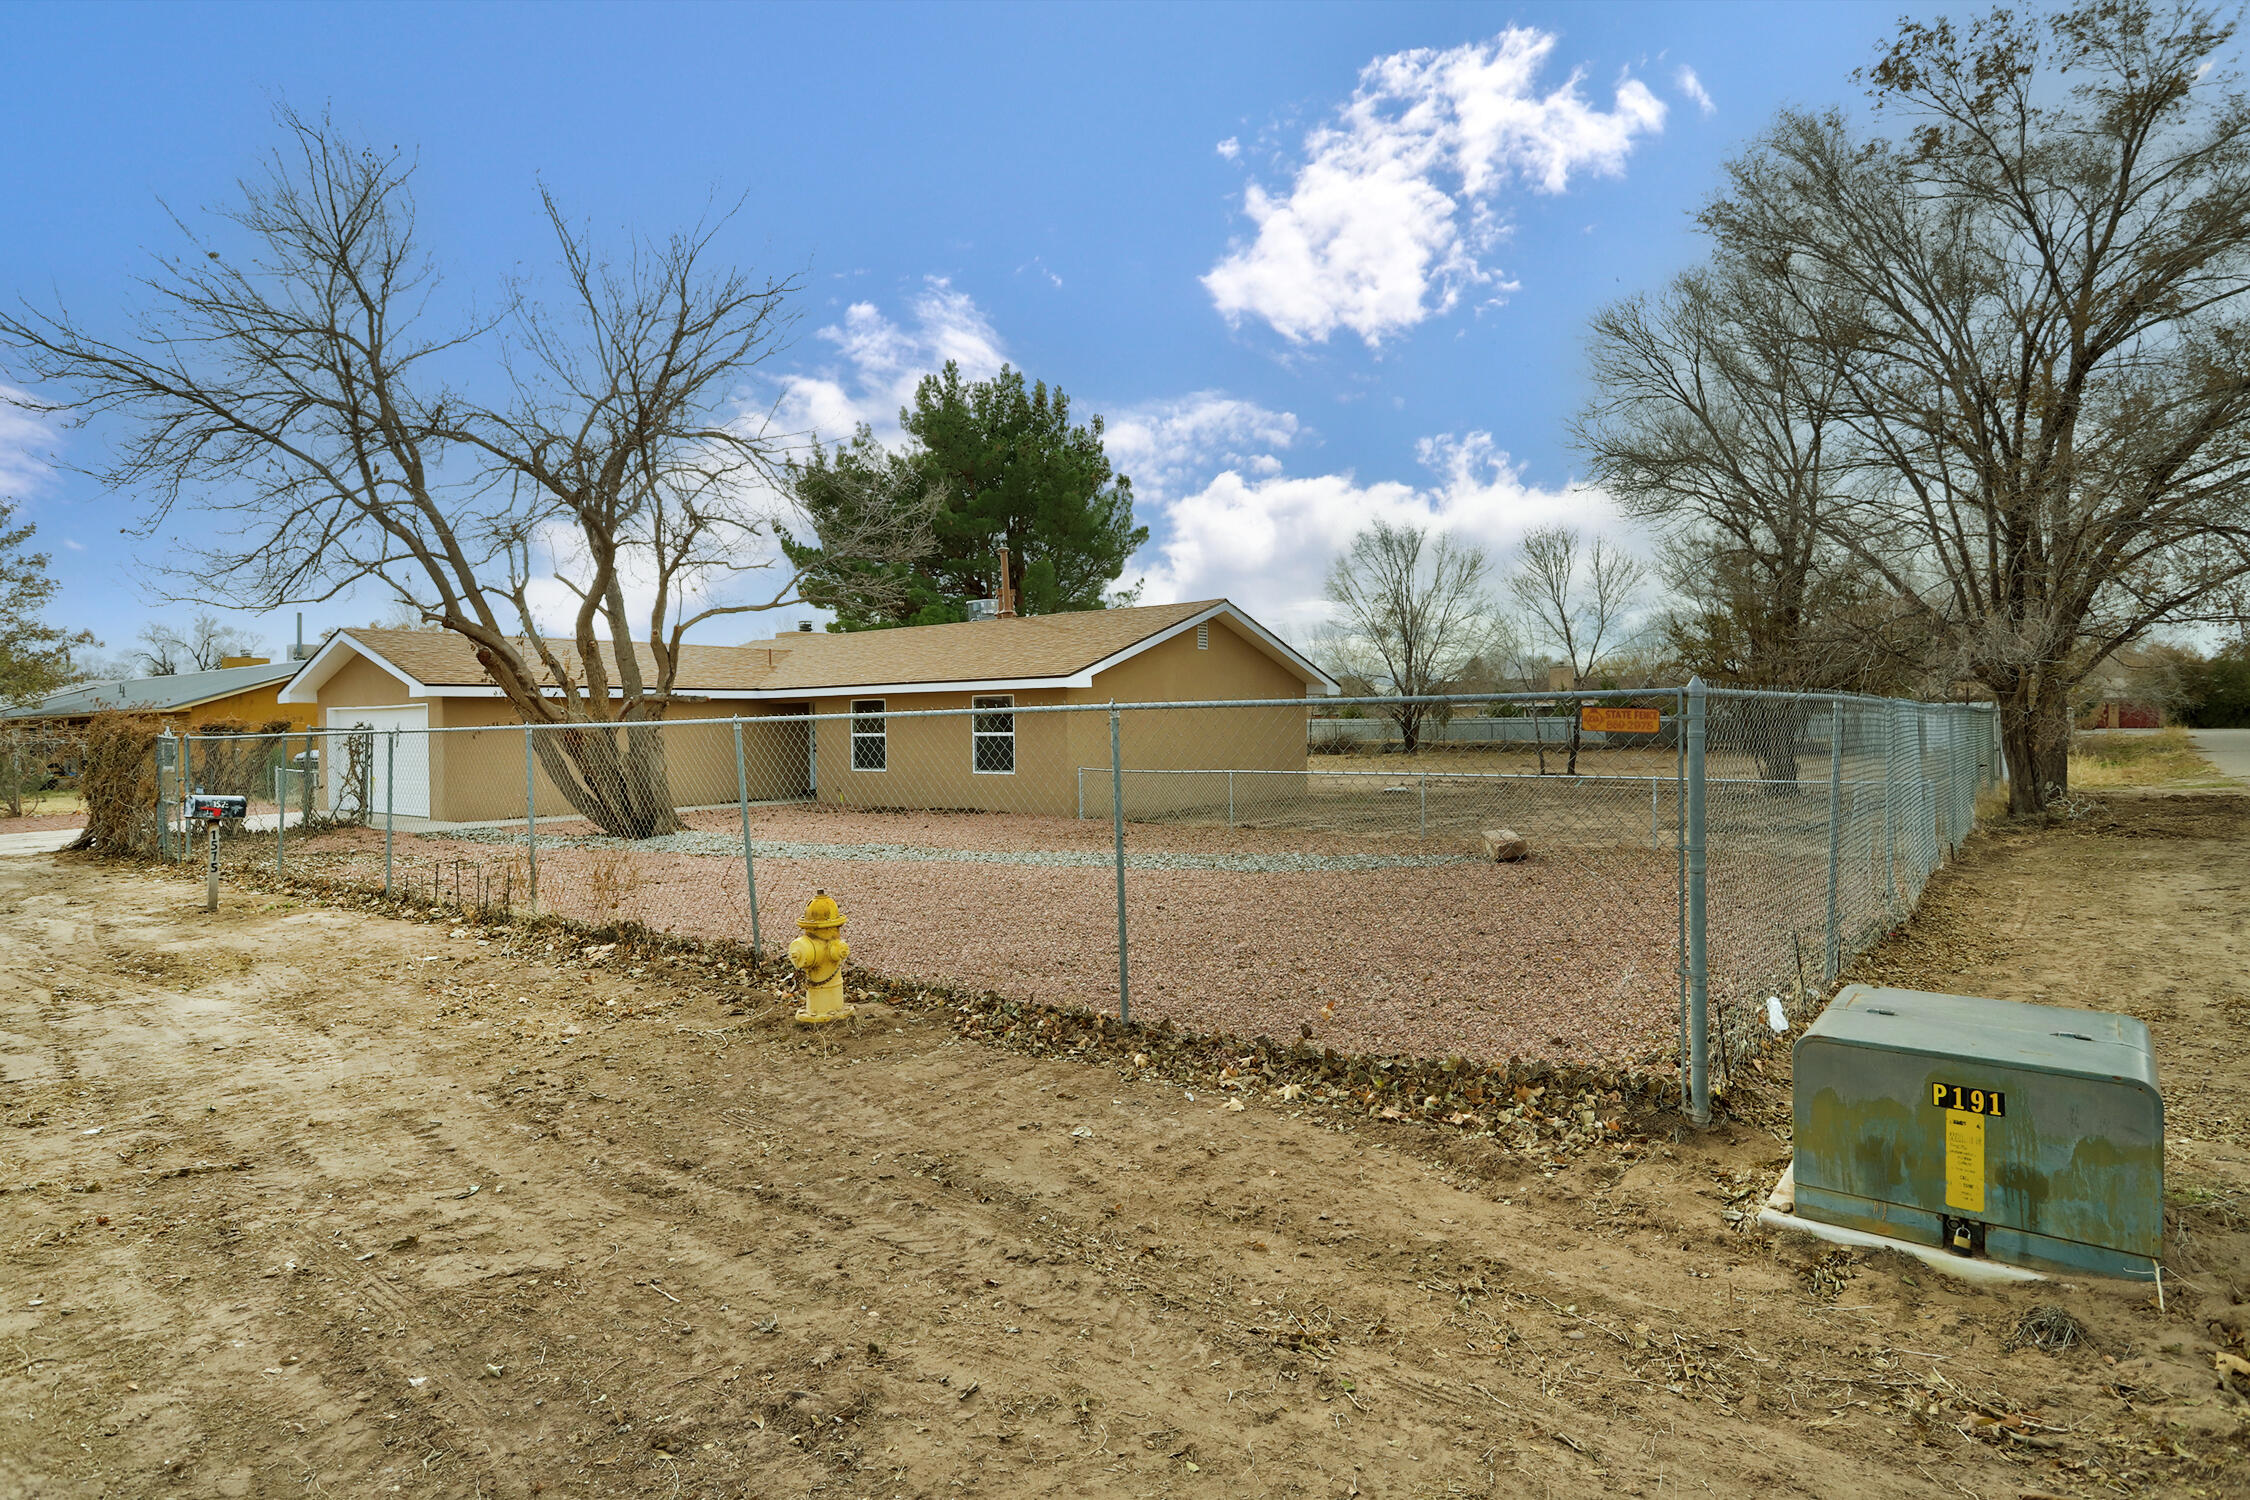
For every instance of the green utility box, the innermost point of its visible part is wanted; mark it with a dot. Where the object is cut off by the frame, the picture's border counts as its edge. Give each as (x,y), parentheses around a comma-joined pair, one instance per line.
(2029,1133)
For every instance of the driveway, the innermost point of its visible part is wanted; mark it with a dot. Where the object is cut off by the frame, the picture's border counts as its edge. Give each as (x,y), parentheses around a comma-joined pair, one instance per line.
(2228,749)
(36,841)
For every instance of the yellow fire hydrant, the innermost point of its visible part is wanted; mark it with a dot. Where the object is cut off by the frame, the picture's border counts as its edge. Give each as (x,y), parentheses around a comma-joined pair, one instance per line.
(819,955)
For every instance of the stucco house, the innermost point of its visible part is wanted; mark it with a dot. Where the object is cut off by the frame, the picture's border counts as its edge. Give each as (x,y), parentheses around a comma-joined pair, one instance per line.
(994,758)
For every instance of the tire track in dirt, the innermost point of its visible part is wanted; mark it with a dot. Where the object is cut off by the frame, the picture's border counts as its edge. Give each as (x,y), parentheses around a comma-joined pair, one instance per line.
(1190,1284)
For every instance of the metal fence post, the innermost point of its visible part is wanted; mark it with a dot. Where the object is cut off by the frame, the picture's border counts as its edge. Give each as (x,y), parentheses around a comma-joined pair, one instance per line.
(164,752)
(280,812)
(1424,831)
(742,801)
(1964,780)
(530,814)
(313,752)
(390,806)
(1230,797)
(1117,832)
(1926,839)
(1890,822)
(1835,831)
(187,790)
(1699,992)
(1679,878)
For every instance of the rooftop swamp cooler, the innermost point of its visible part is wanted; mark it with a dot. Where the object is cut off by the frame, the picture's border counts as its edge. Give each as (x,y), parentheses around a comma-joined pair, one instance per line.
(2030,1134)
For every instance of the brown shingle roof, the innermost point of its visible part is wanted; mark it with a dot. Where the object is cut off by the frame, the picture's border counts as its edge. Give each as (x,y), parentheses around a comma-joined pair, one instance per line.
(974,651)
(1029,647)
(443,659)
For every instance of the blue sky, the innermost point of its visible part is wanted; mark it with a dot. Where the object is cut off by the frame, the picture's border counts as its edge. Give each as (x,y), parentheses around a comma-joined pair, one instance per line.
(1312,263)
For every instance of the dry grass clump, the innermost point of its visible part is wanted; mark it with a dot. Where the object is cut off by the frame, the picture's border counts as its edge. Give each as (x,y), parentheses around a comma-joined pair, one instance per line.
(2049,1328)
(613,877)
(2167,757)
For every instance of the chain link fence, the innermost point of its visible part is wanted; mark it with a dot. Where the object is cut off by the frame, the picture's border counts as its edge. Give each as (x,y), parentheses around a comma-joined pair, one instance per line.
(1618,879)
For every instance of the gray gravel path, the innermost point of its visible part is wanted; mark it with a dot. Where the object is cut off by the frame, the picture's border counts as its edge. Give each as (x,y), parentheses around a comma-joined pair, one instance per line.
(729,846)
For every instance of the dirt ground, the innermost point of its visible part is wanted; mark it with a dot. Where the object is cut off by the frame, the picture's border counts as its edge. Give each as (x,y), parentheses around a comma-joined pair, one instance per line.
(305,1201)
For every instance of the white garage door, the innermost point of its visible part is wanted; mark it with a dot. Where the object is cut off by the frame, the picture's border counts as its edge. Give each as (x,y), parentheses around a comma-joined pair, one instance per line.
(413,758)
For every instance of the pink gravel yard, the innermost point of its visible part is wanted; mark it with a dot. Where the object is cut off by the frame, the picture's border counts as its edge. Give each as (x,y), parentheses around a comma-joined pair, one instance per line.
(1568,955)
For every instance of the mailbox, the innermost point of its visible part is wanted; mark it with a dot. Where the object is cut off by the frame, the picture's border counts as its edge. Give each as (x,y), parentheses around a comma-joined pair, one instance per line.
(2029,1133)
(203,807)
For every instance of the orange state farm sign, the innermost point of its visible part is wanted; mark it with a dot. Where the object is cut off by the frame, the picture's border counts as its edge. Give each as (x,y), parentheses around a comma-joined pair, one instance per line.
(1621,720)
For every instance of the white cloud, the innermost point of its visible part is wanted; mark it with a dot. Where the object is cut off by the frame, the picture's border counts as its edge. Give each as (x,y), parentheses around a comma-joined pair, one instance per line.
(1265,541)
(1693,88)
(28,440)
(1230,148)
(1385,223)
(73,545)
(880,362)
(1171,447)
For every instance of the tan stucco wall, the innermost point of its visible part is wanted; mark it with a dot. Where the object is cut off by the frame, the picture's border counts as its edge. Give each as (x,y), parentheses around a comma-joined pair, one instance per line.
(1211,740)
(479,775)
(261,705)
(930,759)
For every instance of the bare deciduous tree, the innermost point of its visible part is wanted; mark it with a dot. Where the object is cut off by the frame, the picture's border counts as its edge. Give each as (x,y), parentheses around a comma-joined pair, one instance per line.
(1577,600)
(2031,295)
(298,381)
(1412,611)
(1718,420)
(166,650)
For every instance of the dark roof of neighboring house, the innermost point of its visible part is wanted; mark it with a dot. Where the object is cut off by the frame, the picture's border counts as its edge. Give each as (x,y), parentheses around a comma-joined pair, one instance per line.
(154,694)
(1033,649)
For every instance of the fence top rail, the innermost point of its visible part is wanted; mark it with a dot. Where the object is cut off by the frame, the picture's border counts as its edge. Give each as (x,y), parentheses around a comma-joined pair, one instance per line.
(1421,774)
(1845,698)
(1313,707)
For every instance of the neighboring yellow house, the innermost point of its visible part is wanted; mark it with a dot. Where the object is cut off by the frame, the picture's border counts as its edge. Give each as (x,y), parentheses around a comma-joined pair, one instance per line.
(869,754)
(244,688)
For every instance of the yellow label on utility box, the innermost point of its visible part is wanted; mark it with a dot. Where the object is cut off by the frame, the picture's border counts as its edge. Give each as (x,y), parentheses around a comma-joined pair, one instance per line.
(1621,720)
(1964,1161)
(1975,1101)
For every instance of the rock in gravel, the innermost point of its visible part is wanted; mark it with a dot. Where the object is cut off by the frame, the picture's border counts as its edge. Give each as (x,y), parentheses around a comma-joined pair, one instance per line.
(1504,844)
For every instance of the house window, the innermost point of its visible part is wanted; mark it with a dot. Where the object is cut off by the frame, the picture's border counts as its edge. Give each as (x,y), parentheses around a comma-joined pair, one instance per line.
(871,749)
(992,735)
(1202,637)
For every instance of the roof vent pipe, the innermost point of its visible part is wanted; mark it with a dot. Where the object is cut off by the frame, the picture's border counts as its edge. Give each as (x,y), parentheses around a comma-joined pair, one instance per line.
(804,627)
(1005,598)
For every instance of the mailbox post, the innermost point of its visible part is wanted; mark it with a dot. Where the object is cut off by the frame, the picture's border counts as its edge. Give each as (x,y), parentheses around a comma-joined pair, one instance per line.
(213,813)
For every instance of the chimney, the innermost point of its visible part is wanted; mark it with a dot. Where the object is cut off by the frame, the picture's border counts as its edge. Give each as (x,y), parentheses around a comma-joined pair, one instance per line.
(1004,600)
(804,627)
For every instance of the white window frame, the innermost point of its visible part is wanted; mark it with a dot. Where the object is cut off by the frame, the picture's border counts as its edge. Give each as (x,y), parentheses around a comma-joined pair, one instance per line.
(981,704)
(880,735)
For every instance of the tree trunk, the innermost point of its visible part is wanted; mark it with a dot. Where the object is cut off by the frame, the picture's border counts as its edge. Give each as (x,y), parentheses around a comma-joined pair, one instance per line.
(1409,719)
(2035,734)
(615,775)
(1772,728)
